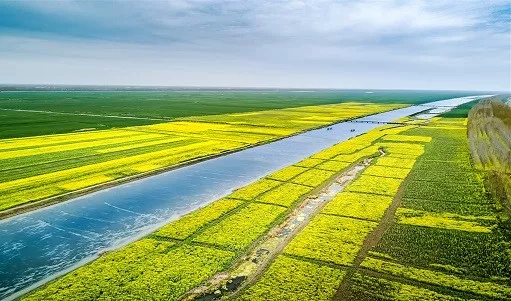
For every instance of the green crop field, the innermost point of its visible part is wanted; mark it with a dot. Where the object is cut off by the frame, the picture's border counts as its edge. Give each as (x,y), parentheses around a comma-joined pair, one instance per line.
(27,113)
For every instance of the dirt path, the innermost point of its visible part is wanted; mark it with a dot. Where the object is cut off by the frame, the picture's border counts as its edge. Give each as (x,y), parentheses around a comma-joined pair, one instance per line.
(252,266)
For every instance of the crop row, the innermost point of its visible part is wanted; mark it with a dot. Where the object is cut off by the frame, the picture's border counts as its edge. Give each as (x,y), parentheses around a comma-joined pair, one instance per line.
(387,171)
(488,289)
(190,223)
(94,168)
(359,142)
(287,173)
(358,205)
(464,253)
(29,189)
(335,166)
(376,185)
(369,151)
(101,144)
(370,288)
(392,161)
(285,195)
(237,231)
(38,164)
(445,220)
(446,192)
(406,138)
(329,238)
(61,139)
(313,177)
(401,148)
(298,118)
(471,209)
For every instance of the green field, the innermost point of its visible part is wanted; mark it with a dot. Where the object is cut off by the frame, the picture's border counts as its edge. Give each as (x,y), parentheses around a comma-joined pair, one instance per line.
(164,105)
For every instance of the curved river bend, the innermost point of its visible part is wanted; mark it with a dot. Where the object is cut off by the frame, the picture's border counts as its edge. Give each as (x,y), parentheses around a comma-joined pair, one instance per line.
(40,245)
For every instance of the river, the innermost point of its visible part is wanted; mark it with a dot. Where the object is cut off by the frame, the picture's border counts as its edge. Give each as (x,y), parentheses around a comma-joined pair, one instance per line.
(40,245)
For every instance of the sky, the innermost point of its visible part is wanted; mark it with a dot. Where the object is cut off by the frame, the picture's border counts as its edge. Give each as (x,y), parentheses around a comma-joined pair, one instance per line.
(366,44)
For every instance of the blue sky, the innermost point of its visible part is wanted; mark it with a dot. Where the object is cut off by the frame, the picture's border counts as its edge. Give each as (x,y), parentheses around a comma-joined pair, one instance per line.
(460,44)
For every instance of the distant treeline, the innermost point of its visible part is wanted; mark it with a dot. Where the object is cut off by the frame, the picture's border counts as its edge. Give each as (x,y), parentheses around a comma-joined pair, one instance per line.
(489,133)
(489,130)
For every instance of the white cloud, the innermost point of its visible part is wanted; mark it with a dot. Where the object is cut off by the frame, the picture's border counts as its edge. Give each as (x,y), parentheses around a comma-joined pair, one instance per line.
(328,43)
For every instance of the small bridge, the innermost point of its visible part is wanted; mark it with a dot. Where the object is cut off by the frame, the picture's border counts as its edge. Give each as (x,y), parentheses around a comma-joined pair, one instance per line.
(376,122)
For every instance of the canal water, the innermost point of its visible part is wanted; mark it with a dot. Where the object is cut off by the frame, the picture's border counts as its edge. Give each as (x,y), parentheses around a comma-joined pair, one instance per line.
(40,245)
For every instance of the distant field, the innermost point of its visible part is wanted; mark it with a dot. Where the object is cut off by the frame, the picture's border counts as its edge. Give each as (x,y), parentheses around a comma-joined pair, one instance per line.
(35,168)
(165,105)
(460,111)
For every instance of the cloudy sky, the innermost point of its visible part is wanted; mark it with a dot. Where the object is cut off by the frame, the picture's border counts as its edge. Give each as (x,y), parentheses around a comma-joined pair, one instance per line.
(430,44)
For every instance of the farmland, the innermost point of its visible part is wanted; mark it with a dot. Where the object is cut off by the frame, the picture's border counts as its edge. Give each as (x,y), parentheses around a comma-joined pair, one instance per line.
(450,238)
(35,168)
(230,227)
(415,217)
(26,113)
(290,150)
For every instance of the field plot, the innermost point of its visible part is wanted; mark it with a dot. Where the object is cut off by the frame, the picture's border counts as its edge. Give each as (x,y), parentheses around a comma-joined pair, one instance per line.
(222,232)
(36,168)
(331,242)
(306,280)
(145,267)
(331,239)
(449,241)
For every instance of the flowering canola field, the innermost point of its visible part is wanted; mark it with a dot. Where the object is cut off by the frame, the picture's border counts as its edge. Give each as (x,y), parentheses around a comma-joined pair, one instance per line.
(40,167)
(186,252)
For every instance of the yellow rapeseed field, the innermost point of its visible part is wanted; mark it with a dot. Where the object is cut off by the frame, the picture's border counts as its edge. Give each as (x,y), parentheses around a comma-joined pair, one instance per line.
(36,168)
